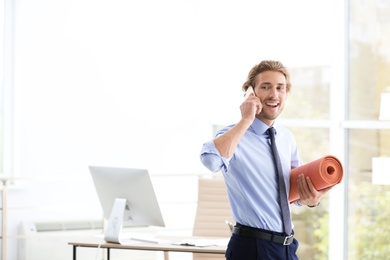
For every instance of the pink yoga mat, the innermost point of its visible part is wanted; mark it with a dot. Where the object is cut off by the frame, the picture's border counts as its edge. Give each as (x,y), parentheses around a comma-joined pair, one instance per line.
(324,172)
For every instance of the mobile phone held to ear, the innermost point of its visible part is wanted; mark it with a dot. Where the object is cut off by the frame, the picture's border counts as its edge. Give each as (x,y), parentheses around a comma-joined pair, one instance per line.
(248,92)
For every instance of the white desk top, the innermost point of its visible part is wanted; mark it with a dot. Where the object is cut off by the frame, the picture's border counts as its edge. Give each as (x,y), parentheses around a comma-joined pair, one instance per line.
(167,246)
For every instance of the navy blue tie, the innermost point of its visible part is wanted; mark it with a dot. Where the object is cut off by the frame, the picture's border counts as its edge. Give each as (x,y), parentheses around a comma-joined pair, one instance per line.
(284,204)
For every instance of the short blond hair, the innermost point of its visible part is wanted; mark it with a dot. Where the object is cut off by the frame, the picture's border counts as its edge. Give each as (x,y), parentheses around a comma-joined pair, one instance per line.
(267,65)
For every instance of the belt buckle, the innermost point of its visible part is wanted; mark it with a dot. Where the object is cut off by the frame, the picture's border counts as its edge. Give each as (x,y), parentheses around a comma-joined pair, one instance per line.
(288,240)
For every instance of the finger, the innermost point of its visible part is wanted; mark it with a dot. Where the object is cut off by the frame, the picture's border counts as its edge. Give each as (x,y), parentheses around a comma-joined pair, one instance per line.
(303,182)
(259,107)
(302,185)
(253,104)
(310,185)
(248,109)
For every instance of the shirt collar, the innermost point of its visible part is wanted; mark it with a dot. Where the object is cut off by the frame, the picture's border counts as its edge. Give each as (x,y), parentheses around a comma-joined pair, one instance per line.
(260,128)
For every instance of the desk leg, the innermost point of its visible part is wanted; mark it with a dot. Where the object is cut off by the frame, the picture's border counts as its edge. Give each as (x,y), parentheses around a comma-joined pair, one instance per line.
(166,255)
(74,253)
(108,253)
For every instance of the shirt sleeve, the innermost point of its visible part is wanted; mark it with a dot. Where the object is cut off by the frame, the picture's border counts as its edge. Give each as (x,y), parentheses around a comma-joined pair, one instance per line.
(211,158)
(295,158)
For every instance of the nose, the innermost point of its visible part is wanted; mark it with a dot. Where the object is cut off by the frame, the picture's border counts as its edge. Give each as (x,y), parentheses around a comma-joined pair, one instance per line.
(273,92)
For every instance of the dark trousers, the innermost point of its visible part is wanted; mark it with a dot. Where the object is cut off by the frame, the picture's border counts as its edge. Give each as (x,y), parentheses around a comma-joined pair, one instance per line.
(246,248)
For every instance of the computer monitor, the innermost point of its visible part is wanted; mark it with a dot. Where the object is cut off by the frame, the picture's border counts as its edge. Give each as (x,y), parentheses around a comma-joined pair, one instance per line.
(127,198)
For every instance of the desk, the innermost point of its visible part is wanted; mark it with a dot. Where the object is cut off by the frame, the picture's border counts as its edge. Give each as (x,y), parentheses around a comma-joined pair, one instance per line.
(100,243)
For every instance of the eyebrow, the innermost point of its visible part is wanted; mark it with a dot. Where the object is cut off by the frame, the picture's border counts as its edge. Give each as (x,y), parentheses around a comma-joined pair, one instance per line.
(269,83)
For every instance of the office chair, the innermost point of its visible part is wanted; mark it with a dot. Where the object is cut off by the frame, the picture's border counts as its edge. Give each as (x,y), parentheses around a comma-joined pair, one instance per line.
(212,211)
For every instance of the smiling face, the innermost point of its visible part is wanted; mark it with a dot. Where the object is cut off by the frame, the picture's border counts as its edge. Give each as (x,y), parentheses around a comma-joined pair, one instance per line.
(270,87)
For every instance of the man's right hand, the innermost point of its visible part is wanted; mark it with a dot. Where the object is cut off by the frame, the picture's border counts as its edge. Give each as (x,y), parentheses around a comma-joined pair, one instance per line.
(251,107)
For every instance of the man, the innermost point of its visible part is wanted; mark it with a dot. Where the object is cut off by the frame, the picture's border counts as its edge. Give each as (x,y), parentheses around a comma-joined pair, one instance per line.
(243,152)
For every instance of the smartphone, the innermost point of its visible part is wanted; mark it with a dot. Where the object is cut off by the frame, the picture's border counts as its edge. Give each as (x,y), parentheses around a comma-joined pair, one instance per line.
(248,92)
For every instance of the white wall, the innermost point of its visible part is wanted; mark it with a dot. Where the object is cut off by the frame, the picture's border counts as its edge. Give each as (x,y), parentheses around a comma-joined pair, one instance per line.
(138,83)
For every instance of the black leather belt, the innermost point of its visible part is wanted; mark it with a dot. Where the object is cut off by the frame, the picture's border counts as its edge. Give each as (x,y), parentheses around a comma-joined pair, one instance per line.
(263,235)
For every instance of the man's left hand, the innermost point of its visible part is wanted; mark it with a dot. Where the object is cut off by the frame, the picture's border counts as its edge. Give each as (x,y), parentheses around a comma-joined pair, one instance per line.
(308,195)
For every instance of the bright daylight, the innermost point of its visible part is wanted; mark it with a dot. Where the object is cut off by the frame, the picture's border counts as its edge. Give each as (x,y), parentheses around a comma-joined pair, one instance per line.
(114,140)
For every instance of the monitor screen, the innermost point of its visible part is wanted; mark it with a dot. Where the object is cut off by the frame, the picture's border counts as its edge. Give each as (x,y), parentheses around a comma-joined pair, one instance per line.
(133,185)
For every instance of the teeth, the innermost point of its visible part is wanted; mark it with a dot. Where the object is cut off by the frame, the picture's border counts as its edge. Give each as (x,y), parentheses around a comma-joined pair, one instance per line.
(272,104)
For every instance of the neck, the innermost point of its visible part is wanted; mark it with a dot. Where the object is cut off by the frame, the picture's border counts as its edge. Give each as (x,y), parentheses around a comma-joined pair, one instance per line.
(266,121)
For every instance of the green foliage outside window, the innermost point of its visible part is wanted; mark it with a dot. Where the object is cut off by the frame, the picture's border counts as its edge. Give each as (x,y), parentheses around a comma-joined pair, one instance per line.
(373,228)
(371,237)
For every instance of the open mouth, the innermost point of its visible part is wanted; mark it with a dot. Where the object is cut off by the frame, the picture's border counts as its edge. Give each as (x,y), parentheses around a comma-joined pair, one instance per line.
(272,104)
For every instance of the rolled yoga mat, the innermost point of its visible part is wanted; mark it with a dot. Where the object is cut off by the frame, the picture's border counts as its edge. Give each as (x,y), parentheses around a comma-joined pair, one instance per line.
(324,172)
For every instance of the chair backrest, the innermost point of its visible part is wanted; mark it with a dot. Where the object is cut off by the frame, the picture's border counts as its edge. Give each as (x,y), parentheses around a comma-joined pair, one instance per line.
(213,209)
(212,212)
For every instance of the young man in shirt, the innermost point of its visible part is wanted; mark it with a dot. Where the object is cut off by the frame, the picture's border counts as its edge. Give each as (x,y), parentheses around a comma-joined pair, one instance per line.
(242,151)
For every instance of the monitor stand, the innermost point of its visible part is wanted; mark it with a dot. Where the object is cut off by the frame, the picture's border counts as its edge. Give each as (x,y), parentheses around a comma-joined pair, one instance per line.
(120,214)
(115,223)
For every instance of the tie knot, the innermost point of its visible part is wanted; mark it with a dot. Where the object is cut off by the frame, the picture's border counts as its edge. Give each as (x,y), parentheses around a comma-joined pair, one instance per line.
(271,132)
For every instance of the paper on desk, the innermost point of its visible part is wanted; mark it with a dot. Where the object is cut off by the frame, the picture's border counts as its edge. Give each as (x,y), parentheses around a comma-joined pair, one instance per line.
(202,242)
(143,238)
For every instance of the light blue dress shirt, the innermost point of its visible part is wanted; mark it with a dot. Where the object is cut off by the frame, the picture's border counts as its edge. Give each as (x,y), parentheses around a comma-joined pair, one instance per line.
(250,174)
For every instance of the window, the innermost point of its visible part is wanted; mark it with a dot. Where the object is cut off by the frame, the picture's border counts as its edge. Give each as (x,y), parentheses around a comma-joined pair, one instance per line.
(367,199)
